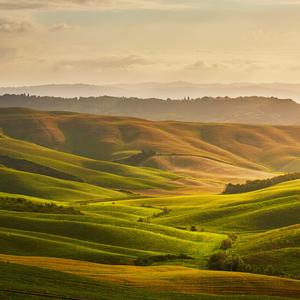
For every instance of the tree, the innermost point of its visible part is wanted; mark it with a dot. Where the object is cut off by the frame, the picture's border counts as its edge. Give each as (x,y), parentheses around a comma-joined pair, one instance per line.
(226,244)
(233,263)
(216,261)
(194,228)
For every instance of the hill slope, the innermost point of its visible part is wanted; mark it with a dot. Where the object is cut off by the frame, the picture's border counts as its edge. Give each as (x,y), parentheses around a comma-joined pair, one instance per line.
(112,220)
(172,278)
(279,248)
(19,280)
(260,210)
(31,162)
(216,152)
(249,110)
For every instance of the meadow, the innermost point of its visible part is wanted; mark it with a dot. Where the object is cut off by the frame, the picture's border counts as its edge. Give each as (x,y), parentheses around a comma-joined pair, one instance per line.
(89,226)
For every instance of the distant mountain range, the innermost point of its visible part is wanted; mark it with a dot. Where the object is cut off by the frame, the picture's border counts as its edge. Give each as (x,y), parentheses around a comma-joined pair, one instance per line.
(247,110)
(174,90)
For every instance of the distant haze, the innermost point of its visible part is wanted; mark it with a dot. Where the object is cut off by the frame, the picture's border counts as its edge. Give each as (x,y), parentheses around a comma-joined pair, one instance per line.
(173,90)
(247,110)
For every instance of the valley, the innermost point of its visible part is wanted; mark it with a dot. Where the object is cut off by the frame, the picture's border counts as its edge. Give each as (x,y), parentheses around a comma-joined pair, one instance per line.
(124,206)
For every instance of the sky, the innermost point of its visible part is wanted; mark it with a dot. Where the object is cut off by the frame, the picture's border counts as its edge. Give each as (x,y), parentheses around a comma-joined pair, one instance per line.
(131,41)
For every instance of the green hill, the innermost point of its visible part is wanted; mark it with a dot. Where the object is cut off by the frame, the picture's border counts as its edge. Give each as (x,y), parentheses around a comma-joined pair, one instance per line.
(159,282)
(259,210)
(234,152)
(37,160)
(103,137)
(279,248)
(110,204)
(40,186)
(106,240)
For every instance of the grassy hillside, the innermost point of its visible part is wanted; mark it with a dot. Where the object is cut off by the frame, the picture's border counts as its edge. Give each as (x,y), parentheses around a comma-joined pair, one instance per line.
(109,217)
(100,137)
(18,281)
(279,248)
(40,186)
(100,239)
(45,161)
(122,231)
(215,153)
(259,210)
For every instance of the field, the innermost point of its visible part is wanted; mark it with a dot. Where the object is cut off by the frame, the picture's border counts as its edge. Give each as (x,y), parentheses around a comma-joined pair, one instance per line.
(213,153)
(118,214)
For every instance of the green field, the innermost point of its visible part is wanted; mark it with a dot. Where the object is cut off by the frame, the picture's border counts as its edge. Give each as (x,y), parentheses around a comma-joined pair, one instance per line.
(19,281)
(139,232)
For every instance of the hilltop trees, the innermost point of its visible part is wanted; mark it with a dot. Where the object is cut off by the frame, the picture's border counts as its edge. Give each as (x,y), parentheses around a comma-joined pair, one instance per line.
(253,185)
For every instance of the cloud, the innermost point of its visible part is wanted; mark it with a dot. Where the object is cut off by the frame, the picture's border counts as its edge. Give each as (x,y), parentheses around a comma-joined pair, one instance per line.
(61,27)
(134,4)
(104,63)
(7,53)
(204,66)
(88,4)
(9,25)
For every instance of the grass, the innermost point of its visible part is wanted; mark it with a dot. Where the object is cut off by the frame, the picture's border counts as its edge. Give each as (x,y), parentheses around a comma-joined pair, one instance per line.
(110,232)
(279,248)
(16,278)
(193,149)
(100,173)
(40,186)
(115,236)
(259,210)
(170,279)
(137,212)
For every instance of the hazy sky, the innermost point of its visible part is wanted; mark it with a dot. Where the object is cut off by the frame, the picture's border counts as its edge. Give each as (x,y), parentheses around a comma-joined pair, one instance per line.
(113,41)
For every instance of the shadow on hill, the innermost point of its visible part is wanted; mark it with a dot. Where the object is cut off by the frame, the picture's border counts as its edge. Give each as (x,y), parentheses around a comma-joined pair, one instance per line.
(31,167)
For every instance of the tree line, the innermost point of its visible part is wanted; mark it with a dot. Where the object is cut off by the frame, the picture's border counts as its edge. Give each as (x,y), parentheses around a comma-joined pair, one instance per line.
(253,185)
(22,205)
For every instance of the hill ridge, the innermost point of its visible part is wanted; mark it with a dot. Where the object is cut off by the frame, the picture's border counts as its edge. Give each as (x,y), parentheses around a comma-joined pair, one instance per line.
(247,110)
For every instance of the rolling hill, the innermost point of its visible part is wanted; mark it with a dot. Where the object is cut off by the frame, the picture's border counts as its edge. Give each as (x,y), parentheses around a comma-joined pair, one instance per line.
(174,90)
(19,280)
(178,280)
(279,248)
(92,199)
(23,164)
(214,153)
(122,231)
(246,110)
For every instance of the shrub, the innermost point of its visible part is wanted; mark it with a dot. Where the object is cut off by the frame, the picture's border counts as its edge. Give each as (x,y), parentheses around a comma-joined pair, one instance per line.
(224,262)
(22,205)
(233,263)
(226,244)
(181,228)
(148,261)
(233,236)
(194,228)
(216,261)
